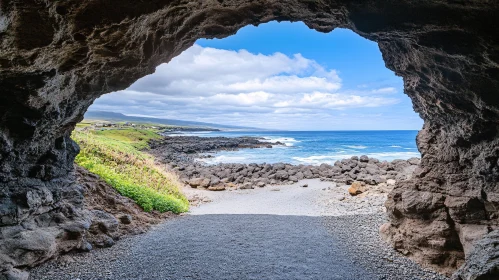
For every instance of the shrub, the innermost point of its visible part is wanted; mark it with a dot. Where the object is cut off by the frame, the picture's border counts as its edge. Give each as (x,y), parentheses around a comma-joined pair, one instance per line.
(116,156)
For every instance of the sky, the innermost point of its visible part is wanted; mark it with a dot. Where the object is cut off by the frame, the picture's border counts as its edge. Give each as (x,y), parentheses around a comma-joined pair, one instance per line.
(274,76)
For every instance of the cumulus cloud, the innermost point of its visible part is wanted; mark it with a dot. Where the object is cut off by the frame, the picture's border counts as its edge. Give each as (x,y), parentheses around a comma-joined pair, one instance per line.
(207,71)
(239,87)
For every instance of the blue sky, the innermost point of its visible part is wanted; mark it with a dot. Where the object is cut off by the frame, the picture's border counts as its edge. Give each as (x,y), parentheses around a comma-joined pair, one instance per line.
(275,76)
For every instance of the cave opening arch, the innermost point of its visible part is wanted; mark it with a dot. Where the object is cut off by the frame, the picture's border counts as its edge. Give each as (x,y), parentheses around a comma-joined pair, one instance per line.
(52,71)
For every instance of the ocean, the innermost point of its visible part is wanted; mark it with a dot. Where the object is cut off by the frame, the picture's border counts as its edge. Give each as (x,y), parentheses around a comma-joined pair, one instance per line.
(316,147)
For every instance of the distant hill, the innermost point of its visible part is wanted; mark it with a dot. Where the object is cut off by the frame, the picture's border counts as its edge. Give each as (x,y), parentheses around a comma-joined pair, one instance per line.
(118,117)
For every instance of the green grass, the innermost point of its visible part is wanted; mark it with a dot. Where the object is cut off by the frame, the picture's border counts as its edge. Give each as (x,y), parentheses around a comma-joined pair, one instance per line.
(115,155)
(137,138)
(83,124)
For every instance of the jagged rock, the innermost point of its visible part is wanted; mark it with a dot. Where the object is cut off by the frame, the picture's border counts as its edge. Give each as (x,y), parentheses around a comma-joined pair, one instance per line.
(414,161)
(57,57)
(483,260)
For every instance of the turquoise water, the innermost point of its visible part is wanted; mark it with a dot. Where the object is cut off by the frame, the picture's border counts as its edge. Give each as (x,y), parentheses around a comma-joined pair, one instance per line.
(316,147)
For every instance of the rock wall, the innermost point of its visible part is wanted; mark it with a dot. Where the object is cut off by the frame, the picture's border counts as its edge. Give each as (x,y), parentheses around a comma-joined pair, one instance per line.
(56,57)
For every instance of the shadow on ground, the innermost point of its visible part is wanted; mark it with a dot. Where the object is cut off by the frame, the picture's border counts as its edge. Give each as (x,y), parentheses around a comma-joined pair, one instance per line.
(240,247)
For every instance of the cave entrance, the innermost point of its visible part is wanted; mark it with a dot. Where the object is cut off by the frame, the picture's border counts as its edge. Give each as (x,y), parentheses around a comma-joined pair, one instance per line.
(281,76)
(323,104)
(445,51)
(332,118)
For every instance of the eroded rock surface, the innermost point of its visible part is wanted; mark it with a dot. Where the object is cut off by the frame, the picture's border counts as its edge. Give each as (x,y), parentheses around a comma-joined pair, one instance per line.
(106,217)
(56,57)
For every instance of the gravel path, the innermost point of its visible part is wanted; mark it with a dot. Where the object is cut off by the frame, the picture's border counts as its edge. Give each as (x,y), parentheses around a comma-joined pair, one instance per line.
(247,246)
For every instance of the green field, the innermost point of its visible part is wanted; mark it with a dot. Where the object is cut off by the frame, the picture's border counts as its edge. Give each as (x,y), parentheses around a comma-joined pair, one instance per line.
(117,157)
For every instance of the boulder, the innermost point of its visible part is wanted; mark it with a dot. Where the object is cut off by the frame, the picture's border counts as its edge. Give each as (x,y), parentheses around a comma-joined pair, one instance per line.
(356,188)
(195,182)
(293,178)
(282,174)
(214,180)
(30,247)
(279,166)
(308,174)
(247,186)
(103,222)
(219,187)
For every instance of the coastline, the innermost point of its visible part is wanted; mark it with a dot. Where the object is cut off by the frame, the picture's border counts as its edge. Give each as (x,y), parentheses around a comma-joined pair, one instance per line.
(182,155)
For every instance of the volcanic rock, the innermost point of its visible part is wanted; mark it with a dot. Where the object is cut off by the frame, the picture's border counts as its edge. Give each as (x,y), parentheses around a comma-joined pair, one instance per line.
(57,57)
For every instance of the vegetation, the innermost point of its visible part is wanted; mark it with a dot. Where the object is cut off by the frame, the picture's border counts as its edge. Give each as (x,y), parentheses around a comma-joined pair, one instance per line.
(116,156)
(83,124)
(138,138)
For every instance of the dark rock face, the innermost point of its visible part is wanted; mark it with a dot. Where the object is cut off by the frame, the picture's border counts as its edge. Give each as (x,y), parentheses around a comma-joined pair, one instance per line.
(483,262)
(56,57)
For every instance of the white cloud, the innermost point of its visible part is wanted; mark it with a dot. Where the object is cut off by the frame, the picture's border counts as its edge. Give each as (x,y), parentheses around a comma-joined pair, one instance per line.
(206,71)
(384,90)
(239,87)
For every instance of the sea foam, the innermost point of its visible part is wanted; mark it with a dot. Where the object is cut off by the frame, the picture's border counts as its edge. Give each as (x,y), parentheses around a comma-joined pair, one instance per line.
(288,141)
(360,147)
(330,159)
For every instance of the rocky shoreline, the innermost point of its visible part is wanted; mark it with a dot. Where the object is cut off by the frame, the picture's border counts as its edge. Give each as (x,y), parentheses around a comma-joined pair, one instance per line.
(180,154)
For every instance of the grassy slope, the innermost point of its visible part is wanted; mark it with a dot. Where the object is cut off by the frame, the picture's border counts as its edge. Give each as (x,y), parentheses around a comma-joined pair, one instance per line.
(115,156)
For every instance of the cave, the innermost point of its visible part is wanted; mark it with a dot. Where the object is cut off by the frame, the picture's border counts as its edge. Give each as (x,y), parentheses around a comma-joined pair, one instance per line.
(57,57)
